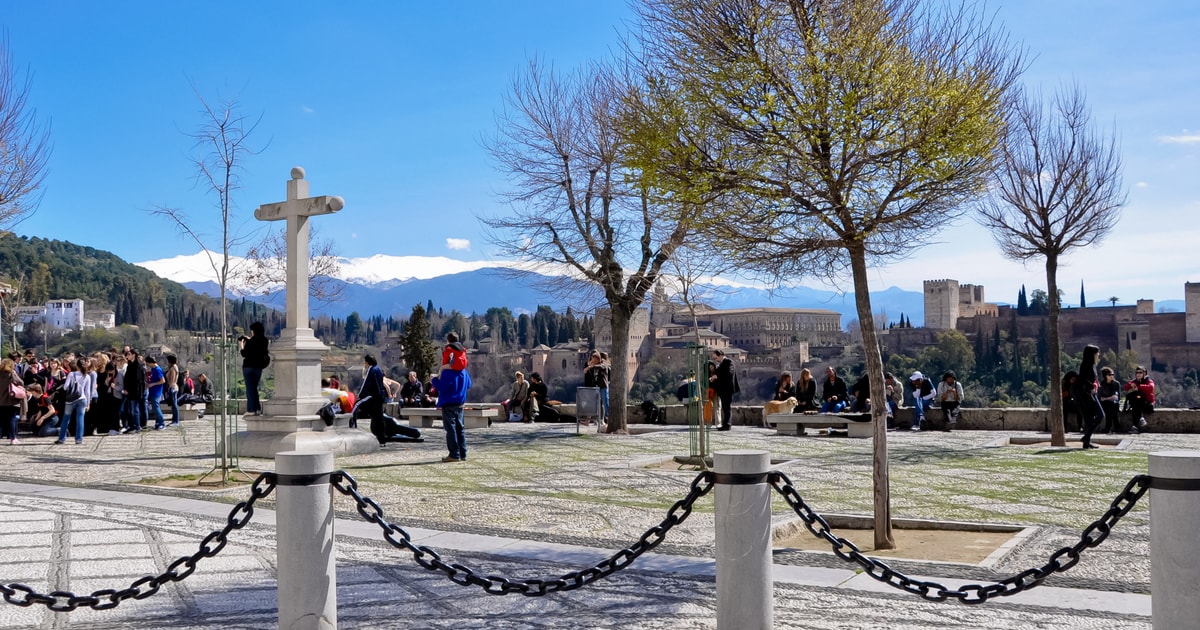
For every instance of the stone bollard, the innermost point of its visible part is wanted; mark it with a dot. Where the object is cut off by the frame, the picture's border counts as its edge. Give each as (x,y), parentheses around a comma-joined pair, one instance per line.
(745,595)
(1174,554)
(304,546)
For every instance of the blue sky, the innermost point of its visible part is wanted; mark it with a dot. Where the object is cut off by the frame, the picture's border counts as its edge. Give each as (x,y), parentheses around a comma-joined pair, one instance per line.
(386,104)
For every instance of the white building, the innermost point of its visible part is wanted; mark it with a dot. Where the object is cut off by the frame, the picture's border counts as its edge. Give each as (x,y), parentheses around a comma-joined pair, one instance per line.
(62,314)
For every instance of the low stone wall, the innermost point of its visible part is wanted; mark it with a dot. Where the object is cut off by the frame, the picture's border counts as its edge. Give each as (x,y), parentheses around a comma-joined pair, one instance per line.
(991,419)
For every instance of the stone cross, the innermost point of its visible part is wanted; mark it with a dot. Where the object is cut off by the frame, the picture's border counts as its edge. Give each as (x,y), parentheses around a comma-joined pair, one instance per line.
(290,421)
(296,210)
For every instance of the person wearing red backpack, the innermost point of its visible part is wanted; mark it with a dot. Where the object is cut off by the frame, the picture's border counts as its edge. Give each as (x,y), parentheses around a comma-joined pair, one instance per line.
(452,385)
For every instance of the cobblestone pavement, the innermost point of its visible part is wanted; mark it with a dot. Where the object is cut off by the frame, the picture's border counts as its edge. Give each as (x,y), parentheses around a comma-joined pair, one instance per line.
(545,483)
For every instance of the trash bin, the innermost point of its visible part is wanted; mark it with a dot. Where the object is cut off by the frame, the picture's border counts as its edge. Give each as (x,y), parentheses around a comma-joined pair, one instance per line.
(587,405)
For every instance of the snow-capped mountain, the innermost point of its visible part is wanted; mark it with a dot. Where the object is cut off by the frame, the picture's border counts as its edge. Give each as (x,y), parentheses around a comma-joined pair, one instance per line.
(372,271)
(392,285)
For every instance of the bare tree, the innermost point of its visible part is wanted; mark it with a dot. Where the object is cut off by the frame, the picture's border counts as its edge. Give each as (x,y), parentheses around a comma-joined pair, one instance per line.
(265,267)
(693,271)
(222,144)
(563,142)
(1058,188)
(24,144)
(843,134)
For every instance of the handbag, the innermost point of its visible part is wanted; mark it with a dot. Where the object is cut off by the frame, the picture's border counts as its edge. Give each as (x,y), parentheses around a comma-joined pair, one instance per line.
(16,391)
(72,390)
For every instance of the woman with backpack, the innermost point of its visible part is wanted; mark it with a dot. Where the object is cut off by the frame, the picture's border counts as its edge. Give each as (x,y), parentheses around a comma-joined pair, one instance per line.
(78,392)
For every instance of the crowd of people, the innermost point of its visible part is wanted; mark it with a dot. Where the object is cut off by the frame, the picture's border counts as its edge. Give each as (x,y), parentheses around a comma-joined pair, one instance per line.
(1093,397)
(107,392)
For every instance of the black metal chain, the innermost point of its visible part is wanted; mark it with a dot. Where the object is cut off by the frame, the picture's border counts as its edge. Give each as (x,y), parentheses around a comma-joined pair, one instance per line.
(1060,560)
(63,601)
(500,585)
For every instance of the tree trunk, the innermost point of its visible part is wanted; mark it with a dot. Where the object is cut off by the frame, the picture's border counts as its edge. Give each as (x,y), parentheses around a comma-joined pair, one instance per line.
(1057,432)
(618,387)
(874,362)
(702,442)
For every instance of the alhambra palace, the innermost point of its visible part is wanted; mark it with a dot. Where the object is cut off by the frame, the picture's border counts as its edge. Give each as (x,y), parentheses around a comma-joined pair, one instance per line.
(773,339)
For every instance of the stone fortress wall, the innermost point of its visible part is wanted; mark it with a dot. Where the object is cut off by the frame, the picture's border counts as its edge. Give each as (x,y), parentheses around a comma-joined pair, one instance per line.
(1171,339)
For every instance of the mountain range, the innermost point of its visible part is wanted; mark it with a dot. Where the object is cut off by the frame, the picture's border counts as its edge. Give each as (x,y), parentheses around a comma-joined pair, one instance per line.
(392,285)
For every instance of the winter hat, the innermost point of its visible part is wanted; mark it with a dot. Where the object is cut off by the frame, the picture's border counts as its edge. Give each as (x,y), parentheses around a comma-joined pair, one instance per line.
(916,376)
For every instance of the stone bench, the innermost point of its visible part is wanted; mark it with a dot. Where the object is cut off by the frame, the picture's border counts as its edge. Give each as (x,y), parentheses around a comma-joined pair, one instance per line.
(473,417)
(856,425)
(186,412)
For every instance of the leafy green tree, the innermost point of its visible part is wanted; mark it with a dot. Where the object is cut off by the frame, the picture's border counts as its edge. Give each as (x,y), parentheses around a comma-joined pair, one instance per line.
(40,285)
(354,327)
(835,134)
(952,352)
(1040,304)
(457,323)
(419,352)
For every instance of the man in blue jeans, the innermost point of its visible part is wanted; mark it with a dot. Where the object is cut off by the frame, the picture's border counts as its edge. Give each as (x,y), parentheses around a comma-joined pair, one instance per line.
(452,386)
(154,392)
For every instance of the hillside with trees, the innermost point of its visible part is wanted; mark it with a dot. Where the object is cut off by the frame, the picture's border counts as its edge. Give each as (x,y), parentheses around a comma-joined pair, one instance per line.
(43,269)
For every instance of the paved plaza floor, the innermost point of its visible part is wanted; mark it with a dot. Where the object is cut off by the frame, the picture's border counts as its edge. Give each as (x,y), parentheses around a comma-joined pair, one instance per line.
(540,501)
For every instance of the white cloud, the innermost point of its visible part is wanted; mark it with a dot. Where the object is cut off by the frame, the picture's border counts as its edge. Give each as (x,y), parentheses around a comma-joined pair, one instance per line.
(458,244)
(1142,185)
(1185,138)
(307,110)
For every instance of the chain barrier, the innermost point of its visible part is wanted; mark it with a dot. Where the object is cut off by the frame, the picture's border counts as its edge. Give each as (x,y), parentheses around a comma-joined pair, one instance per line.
(1060,560)
(500,585)
(104,599)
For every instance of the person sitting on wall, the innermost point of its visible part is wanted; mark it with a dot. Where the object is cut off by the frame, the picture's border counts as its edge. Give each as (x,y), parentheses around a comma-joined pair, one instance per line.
(860,393)
(537,397)
(1140,399)
(923,394)
(833,392)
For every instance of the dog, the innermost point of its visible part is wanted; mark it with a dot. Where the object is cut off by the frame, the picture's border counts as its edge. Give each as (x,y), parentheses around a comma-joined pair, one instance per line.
(779,407)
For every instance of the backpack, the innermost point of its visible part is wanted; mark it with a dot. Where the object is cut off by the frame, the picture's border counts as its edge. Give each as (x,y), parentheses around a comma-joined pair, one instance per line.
(329,412)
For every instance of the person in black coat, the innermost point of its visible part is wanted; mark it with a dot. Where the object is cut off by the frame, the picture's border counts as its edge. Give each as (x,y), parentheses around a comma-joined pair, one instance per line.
(255,359)
(1084,393)
(833,392)
(724,384)
(785,388)
(133,390)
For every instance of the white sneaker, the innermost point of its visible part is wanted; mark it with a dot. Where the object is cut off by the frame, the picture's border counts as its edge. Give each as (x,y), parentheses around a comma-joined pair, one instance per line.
(114,432)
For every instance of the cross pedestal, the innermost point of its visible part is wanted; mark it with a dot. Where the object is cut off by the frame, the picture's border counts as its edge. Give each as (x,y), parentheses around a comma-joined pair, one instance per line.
(289,421)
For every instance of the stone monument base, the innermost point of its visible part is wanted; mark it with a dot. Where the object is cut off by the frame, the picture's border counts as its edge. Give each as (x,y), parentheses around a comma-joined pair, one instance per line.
(267,436)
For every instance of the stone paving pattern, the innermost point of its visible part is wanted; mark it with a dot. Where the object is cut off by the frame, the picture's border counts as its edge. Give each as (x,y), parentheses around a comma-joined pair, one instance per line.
(546,483)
